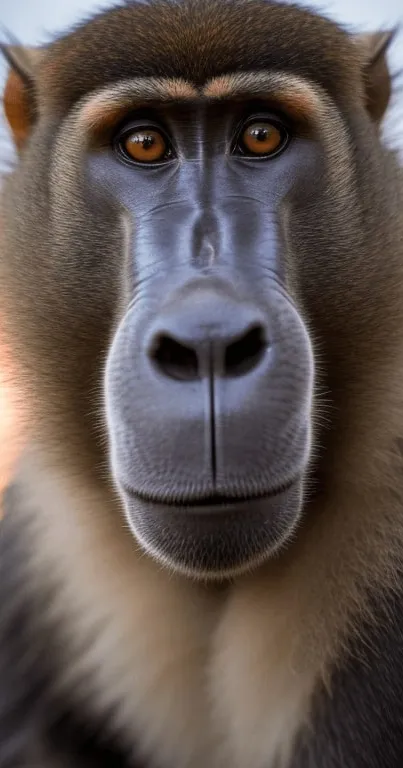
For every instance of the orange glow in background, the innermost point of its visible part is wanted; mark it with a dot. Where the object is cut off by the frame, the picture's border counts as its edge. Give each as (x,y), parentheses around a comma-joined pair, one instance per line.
(10,423)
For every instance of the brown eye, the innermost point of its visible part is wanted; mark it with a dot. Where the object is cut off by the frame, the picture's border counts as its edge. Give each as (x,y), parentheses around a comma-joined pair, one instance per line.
(263,139)
(145,145)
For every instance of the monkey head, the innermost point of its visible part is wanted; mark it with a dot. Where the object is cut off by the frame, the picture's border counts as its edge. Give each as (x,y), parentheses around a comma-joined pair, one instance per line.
(193,238)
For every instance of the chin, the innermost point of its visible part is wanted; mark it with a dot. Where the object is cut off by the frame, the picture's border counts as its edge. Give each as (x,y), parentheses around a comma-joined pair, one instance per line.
(216,538)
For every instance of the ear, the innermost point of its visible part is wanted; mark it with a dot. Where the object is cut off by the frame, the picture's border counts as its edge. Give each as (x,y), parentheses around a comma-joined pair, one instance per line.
(377,80)
(19,98)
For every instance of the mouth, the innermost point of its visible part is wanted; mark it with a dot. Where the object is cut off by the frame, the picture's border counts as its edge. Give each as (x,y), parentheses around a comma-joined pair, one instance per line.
(215,536)
(210,502)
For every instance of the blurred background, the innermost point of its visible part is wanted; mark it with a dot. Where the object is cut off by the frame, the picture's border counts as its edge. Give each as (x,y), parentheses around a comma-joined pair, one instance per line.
(35,21)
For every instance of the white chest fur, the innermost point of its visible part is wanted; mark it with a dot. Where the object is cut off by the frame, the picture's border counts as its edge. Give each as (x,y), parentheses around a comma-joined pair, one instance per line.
(196,677)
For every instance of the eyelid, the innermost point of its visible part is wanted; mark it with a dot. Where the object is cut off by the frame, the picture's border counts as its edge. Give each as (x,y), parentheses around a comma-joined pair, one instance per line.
(141,125)
(135,125)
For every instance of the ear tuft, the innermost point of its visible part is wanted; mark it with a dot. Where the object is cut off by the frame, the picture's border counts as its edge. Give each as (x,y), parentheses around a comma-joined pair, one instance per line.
(377,79)
(19,100)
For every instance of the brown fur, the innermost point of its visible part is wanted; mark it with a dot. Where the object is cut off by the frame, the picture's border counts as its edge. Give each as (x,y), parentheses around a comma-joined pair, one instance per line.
(214,678)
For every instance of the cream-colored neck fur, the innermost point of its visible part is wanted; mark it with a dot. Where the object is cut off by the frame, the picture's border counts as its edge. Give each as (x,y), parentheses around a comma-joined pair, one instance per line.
(198,676)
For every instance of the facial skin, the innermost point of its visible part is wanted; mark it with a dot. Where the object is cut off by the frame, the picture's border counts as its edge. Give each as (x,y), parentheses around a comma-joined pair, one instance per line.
(209,378)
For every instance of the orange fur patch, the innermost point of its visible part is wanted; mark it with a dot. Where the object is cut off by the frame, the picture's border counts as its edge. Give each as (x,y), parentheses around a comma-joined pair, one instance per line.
(105,108)
(295,96)
(16,108)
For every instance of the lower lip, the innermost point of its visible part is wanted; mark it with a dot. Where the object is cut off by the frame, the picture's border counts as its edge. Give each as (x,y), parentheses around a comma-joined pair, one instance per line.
(212,504)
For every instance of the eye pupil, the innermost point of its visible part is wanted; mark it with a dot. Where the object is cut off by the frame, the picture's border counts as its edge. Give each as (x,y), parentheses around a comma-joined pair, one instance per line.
(146,141)
(260,134)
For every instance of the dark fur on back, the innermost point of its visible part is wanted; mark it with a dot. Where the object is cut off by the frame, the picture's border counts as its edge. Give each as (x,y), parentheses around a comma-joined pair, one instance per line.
(37,726)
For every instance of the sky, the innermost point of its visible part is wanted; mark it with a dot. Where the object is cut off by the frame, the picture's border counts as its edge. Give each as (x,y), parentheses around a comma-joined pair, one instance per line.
(32,21)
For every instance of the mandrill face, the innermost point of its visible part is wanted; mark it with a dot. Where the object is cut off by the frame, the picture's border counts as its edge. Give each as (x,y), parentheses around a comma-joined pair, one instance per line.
(209,378)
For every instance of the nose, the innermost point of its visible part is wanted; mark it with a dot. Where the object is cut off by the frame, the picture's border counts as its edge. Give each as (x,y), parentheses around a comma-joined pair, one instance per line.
(207,333)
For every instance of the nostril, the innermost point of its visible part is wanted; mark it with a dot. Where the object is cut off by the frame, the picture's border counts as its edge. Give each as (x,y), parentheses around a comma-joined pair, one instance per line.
(174,359)
(246,352)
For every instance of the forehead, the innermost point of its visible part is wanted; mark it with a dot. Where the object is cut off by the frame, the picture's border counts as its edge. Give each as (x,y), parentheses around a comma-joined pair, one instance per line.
(196,41)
